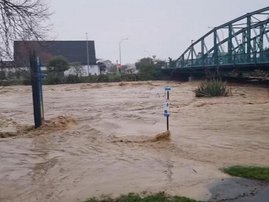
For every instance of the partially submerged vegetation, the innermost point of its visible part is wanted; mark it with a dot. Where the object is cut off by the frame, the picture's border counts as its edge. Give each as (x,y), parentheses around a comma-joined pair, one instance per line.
(212,88)
(161,197)
(54,79)
(251,172)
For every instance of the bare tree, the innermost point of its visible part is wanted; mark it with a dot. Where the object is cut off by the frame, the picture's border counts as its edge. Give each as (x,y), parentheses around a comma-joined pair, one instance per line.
(21,20)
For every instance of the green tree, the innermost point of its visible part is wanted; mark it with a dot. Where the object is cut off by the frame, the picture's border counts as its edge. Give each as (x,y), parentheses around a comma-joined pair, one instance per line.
(2,75)
(149,69)
(58,64)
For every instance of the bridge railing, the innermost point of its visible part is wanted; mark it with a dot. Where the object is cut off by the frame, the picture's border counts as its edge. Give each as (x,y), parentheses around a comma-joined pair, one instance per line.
(241,41)
(226,59)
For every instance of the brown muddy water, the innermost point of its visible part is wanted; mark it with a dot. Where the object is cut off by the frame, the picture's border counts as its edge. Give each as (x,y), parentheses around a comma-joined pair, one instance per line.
(101,139)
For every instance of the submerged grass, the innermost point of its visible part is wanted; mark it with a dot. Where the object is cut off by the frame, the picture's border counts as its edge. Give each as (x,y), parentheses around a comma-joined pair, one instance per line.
(212,88)
(251,172)
(160,197)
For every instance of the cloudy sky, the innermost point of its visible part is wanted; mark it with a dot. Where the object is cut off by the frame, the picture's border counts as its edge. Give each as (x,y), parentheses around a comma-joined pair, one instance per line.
(153,27)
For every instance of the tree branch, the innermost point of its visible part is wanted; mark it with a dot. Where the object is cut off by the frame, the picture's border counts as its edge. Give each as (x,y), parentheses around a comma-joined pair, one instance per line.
(21,20)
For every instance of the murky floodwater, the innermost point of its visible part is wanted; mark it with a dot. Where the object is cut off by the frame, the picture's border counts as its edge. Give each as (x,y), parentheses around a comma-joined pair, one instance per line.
(98,140)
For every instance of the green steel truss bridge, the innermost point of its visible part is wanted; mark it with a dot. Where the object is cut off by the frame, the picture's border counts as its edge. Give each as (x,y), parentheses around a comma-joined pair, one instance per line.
(239,43)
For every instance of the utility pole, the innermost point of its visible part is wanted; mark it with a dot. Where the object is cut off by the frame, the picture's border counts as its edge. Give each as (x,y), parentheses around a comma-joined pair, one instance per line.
(124,39)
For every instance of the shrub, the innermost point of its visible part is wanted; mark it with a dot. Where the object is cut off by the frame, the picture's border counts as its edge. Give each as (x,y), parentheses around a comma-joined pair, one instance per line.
(149,69)
(2,75)
(72,79)
(52,79)
(11,82)
(129,77)
(102,78)
(58,64)
(160,197)
(149,72)
(114,78)
(212,88)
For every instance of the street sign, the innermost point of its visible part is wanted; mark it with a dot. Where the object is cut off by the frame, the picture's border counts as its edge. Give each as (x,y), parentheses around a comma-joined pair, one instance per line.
(167,88)
(166,109)
(166,113)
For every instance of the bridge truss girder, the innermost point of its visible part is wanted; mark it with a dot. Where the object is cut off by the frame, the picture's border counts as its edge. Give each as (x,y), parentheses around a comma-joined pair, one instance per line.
(244,40)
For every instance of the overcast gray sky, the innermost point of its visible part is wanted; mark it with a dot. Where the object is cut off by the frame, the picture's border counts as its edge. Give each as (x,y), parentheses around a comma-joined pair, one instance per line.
(153,27)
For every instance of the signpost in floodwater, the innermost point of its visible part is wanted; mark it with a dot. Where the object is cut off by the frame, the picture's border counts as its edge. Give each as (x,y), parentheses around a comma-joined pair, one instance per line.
(36,82)
(166,112)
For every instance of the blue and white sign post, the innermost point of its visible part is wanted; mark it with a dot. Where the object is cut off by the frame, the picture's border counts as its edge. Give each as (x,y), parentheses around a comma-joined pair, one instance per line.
(166,112)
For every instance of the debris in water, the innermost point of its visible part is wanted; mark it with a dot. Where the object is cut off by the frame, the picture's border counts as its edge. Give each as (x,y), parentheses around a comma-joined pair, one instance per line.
(58,123)
(122,84)
(159,137)
(52,125)
(7,134)
(7,128)
(48,126)
(162,136)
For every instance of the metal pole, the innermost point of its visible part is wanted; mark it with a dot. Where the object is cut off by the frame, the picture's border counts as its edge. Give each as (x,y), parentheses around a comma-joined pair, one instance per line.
(168,95)
(167,123)
(36,81)
(88,60)
(120,49)
(167,118)
(39,81)
(120,54)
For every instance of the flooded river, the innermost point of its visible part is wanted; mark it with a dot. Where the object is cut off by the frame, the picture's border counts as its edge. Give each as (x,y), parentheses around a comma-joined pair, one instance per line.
(98,139)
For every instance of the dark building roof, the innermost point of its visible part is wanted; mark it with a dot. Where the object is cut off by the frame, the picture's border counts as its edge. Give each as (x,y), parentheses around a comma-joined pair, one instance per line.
(6,64)
(73,51)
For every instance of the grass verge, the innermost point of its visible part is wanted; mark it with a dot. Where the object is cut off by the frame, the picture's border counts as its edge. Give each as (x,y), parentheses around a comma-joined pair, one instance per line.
(251,172)
(161,197)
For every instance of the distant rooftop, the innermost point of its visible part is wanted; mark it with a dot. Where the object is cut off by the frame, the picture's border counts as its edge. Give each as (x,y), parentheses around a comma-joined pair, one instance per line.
(73,51)
(6,64)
